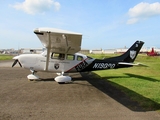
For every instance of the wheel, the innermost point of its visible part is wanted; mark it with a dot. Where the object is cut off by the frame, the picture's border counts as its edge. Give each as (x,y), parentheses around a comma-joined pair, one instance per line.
(30,79)
(61,82)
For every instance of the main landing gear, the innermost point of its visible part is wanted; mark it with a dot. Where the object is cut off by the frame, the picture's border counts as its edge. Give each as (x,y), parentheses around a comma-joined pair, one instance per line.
(33,76)
(62,78)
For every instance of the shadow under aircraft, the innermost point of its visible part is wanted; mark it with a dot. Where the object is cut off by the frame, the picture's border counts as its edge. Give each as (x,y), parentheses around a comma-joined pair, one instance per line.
(108,87)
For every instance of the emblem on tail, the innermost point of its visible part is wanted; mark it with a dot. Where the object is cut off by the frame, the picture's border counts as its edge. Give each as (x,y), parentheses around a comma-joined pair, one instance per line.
(132,54)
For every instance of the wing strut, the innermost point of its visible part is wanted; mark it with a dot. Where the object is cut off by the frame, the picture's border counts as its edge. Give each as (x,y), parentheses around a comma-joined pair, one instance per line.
(67,44)
(48,51)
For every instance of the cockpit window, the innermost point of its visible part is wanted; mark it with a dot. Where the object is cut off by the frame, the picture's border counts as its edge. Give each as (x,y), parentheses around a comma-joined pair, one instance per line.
(58,56)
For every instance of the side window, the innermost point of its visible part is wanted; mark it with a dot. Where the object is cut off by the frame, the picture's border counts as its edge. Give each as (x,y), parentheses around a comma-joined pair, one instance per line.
(70,57)
(54,56)
(79,58)
(61,56)
(58,56)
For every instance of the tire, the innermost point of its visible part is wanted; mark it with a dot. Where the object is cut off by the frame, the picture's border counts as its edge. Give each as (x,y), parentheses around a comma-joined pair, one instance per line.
(61,82)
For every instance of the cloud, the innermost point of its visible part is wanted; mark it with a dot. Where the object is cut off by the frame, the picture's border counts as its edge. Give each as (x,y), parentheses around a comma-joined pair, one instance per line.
(37,6)
(143,11)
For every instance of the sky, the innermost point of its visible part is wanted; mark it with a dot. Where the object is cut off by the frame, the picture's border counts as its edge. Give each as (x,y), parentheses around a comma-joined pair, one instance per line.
(105,24)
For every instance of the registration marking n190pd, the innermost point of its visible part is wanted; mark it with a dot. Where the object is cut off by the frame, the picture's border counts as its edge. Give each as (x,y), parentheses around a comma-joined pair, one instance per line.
(104,65)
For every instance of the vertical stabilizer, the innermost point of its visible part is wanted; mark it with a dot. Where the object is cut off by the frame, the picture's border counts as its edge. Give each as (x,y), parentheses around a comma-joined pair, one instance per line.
(131,54)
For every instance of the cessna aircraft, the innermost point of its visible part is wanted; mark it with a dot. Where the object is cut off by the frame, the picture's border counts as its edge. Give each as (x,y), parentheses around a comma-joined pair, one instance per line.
(61,56)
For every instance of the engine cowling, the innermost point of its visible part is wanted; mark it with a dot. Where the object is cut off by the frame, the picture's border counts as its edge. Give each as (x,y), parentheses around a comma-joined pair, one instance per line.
(62,79)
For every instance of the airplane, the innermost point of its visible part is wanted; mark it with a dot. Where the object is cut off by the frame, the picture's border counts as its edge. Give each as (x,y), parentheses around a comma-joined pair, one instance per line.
(152,53)
(62,57)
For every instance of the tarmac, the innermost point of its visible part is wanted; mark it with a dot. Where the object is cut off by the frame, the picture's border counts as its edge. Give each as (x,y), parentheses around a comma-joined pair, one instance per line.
(87,98)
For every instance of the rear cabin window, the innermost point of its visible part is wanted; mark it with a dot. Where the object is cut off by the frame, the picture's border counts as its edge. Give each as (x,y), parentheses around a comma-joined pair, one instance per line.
(79,58)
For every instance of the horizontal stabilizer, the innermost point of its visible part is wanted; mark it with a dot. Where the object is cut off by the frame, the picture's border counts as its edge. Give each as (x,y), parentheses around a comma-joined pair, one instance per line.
(132,64)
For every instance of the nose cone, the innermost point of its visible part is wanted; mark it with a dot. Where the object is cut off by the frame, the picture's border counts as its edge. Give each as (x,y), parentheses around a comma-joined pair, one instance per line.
(15,58)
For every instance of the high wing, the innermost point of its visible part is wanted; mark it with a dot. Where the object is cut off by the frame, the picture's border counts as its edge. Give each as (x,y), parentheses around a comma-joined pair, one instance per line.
(59,41)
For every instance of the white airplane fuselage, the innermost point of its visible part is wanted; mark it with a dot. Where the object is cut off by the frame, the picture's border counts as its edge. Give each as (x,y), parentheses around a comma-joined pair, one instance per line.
(67,63)
(37,62)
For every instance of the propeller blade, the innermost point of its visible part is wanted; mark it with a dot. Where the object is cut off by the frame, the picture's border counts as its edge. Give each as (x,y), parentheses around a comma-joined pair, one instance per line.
(19,64)
(15,62)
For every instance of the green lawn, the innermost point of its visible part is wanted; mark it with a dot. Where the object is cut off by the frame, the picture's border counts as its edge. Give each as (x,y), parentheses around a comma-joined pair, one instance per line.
(141,84)
(5,57)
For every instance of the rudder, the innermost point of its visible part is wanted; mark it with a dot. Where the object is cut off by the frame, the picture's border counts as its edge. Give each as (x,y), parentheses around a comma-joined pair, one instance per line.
(131,54)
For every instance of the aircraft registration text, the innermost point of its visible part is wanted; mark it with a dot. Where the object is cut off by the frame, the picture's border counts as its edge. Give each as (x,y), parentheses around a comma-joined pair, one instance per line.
(104,65)
(81,66)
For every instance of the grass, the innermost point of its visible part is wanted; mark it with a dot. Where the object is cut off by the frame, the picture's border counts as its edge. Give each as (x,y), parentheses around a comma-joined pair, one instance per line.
(5,57)
(141,84)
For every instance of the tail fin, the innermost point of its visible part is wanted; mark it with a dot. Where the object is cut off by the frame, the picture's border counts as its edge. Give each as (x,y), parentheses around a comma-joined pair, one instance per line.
(130,55)
(152,51)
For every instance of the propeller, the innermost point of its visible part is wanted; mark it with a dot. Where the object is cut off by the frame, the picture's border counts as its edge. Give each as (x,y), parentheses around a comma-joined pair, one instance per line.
(15,62)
